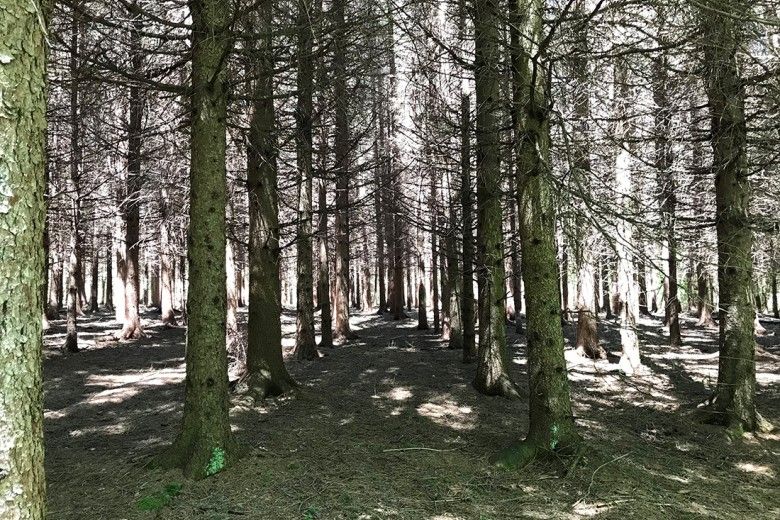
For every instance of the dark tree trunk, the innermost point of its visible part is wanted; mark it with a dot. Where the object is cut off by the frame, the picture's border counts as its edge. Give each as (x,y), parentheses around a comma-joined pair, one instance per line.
(467,301)
(735,404)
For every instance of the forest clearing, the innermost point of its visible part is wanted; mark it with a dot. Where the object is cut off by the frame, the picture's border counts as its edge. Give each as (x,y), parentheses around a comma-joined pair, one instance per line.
(394,259)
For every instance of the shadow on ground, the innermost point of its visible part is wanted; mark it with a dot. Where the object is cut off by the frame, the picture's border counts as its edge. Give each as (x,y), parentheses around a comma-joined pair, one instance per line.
(388,426)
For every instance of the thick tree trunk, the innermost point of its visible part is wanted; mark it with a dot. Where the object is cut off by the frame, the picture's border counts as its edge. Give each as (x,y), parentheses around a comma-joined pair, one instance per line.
(22,222)
(735,404)
(305,343)
(266,372)
(492,377)
(379,187)
(467,300)
(204,445)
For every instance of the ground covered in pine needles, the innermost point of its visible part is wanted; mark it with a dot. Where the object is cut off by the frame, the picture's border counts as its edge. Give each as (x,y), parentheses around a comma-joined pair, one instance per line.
(389,427)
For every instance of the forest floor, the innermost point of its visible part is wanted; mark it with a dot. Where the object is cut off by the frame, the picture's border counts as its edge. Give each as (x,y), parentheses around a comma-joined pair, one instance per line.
(388,426)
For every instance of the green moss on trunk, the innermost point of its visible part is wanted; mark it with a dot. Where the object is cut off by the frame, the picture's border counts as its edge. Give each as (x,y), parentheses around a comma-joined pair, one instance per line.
(22,216)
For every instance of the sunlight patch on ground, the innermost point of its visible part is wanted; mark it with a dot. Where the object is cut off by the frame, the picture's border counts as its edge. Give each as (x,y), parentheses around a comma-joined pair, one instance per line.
(399,393)
(755,469)
(590,509)
(448,413)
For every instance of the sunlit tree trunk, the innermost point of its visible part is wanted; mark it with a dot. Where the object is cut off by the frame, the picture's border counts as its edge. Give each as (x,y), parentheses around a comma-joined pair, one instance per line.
(166,264)
(204,445)
(551,424)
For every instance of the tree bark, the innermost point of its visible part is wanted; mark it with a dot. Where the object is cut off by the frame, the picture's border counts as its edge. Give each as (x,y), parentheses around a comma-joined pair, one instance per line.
(204,445)
(131,209)
(551,424)
(266,372)
(305,343)
(492,377)
(22,222)
(735,404)
(467,301)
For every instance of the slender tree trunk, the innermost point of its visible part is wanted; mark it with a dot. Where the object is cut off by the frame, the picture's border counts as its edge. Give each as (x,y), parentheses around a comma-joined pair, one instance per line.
(434,253)
(342,329)
(305,343)
(204,445)
(108,294)
(266,371)
(132,205)
(467,302)
(492,377)
(167,315)
(94,278)
(22,222)
(668,188)
(551,424)
(735,404)
(422,299)
(379,187)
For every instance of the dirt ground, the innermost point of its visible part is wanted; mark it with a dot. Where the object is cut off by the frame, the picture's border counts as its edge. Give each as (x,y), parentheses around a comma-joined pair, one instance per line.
(388,426)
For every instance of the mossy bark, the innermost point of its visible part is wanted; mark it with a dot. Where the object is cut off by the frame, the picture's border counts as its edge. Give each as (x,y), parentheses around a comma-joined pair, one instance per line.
(204,444)
(492,377)
(551,424)
(22,216)
(266,373)
(723,38)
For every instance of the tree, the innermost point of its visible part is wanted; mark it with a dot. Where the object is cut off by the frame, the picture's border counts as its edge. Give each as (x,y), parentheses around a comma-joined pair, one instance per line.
(492,359)
(734,400)
(551,424)
(305,344)
(130,209)
(204,445)
(341,327)
(265,366)
(467,298)
(22,221)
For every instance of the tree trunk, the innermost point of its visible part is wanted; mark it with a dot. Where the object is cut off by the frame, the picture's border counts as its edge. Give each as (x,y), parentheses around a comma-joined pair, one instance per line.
(132,205)
(342,329)
(467,301)
(326,339)
(668,187)
(167,315)
(266,372)
(434,253)
(94,278)
(22,222)
(735,404)
(551,424)
(305,343)
(204,445)
(492,377)
(422,300)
